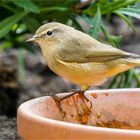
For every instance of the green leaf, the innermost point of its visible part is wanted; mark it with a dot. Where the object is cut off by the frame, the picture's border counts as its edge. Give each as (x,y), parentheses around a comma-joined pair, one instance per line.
(6,24)
(109,6)
(27,5)
(133,12)
(128,78)
(76,23)
(113,82)
(115,5)
(5,45)
(87,19)
(126,19)
(137,4)
(121,81)
(137,77)
(54,8)
(31,23)
(114,40)
(95,24)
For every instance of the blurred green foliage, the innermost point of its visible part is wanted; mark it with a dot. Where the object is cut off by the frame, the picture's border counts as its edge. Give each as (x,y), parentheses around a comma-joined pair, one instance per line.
(19,17)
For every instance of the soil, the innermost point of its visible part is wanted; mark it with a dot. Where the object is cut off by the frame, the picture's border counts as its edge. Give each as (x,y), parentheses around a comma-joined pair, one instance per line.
(8,129)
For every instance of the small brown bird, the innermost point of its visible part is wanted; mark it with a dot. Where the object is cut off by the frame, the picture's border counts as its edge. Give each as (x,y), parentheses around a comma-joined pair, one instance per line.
(80,58)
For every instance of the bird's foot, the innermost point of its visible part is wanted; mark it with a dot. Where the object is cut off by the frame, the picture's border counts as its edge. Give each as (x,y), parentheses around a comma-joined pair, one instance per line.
(81,94)
(58,103)
(59,99)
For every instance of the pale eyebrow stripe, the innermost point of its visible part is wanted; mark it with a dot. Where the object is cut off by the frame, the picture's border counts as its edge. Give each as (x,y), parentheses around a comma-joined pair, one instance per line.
(48,29)
(53,30)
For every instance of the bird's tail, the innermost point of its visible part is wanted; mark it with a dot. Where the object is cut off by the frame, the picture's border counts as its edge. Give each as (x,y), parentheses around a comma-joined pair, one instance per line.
(133,59)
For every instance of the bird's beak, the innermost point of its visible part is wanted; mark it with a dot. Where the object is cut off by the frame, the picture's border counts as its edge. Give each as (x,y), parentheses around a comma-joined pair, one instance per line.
(33,39)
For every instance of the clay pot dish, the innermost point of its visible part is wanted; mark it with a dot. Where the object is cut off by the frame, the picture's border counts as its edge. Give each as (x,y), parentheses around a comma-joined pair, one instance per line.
(114,115)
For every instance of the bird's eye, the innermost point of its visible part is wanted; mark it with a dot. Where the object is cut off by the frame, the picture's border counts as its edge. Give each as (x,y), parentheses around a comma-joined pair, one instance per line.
(49,33)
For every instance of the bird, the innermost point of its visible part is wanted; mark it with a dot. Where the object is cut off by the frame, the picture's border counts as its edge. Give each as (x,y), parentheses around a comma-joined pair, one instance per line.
(79,58)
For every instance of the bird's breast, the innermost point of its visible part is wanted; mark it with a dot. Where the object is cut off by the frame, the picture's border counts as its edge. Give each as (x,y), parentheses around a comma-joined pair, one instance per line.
(81,74)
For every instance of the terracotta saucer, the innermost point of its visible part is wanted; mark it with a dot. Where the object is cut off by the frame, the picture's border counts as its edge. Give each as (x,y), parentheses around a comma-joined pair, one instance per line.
(114,115)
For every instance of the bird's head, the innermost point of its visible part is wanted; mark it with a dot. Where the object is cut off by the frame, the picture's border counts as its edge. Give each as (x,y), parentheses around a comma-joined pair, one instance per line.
(51,33)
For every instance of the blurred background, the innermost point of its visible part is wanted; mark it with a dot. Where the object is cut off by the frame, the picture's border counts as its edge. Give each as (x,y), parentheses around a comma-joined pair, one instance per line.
(23,72)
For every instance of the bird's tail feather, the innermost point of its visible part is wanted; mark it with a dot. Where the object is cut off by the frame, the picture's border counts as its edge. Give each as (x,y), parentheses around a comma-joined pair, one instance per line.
(133,59)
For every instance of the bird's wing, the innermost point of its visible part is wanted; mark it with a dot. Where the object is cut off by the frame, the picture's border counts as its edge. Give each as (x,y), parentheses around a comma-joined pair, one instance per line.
(82,52)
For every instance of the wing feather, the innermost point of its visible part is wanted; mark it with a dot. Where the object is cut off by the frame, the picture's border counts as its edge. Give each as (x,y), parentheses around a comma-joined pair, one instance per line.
(82,48)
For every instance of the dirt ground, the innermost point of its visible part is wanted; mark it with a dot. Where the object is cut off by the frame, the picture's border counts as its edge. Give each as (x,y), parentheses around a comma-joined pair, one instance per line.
(8,129)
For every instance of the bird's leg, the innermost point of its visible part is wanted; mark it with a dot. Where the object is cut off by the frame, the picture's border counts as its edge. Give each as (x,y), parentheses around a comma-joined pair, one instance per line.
(81,92)
(69,95)
(58,102)
(59,99)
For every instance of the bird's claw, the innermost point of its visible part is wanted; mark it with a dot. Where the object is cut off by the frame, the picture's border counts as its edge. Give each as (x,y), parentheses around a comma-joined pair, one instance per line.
(81,93)
(58,103)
